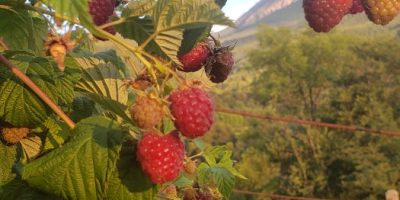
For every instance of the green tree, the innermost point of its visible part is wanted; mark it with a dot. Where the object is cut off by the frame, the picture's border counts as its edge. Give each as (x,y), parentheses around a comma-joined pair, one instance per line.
(336,78)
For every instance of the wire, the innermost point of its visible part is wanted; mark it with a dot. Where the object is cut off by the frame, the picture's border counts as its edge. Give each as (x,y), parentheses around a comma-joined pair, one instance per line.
(276,195)
(320,124)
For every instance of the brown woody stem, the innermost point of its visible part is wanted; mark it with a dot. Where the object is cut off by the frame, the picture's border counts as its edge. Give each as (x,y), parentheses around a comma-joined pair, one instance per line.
(37,90)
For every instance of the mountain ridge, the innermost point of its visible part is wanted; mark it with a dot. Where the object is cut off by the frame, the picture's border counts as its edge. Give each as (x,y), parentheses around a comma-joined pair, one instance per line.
(262,9)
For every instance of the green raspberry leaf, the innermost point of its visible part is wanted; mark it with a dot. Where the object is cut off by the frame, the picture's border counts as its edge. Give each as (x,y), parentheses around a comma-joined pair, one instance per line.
(128,181)
(82,107)
(66,80)
(199,143)
(31,147)
(82,168)
(213,153)
(112,57)
(74,9)
(227,163)
(169,42)
(20,189)
(58,132)
(8,157)
(20,31)
(39,34)
(139,29)
(224,179)
(177,15)
(102,82)
(138,8)
(203,173)
(71,8)
(82,38)
(182,181)
(21,106)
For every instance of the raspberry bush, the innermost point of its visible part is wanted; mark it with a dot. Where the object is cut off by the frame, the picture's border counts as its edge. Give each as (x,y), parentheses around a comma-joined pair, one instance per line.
(82,124)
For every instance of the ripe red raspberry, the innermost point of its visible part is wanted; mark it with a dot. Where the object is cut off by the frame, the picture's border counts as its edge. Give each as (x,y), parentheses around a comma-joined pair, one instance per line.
(356,7)
(161,157)
(193,110)
(323,15)
(14,135)
(381,11)
(194,59)
(100,10)
(220,65)
(147,112)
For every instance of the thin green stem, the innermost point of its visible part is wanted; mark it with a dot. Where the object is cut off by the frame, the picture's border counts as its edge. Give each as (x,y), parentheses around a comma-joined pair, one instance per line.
(148,40)
(148,66)
(56,15)
(127,57)
(194,156)
(167,68)
(113,23)
(37,90)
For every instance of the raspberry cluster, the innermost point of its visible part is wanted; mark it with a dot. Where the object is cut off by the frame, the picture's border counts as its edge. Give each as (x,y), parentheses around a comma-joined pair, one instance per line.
(191,109)
(323,15)
(161,156)
(216,59)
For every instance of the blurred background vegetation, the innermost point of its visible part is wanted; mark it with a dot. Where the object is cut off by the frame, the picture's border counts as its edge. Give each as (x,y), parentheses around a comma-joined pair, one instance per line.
(342,78)
(337,78)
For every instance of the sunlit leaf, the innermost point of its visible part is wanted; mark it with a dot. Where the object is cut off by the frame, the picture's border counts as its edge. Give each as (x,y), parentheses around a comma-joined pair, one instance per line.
(138,8)
(128,181)
(224,179)
(182,181)
(8,157)
(20,189)
(102,82)
(82,168)
(175,15)
(31,147)
(21,106)
(67,80)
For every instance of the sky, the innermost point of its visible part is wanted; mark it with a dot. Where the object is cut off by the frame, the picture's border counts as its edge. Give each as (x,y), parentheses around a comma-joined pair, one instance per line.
(234,9)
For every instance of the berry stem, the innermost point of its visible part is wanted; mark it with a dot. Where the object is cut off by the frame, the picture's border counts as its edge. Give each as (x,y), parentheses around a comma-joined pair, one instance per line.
(164,83)
(37,90)
(112,23)
(167,68)
(148,66)
(194,156)
(148,40)
(56,15)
